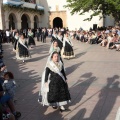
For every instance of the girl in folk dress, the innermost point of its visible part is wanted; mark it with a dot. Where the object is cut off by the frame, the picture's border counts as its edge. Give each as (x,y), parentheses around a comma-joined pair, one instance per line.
(31,41)
(54,47)
(60,40)
(54,88)
(54,36)
(67,47)
(23,49)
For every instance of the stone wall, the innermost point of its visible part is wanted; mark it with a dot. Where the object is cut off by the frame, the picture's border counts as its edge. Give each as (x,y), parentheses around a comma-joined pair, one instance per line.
(1,15)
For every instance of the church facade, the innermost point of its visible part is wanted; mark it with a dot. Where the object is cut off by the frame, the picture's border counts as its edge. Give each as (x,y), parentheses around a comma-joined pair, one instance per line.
(59,15)
(23,14)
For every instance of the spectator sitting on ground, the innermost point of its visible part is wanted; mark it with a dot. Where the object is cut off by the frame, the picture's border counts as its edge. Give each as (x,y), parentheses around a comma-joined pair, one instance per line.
(9,84)
(6,100)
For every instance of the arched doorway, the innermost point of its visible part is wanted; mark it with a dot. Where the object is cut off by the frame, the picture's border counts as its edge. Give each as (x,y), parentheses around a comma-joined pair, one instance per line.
(12,21)
(57,22)
(36,21)
(25,24)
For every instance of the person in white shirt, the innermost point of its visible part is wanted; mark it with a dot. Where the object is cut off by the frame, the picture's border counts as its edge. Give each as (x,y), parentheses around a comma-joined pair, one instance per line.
(8,36)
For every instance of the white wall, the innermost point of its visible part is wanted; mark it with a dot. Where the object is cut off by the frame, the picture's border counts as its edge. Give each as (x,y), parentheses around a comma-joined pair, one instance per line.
(76,21)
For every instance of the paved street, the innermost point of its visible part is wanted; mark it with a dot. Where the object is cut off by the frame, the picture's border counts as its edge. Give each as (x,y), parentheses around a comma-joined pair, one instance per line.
(93,79)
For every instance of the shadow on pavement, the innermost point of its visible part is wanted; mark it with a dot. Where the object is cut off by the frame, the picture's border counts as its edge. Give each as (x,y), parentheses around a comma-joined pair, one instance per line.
(107,98)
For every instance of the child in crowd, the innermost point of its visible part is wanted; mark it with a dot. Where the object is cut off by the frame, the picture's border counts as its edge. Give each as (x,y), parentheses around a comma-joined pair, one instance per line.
(9,84)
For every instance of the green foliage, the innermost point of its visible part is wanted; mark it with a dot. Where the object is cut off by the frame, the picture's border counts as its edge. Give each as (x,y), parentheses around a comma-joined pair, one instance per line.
(106,7)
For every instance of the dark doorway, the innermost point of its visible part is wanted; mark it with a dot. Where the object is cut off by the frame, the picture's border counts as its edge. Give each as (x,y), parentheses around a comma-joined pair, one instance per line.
(24,23)
(94,26)
(57,22)
(11,22)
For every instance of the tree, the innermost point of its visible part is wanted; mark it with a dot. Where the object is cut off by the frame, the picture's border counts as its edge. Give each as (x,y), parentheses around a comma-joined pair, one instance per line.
(105,7)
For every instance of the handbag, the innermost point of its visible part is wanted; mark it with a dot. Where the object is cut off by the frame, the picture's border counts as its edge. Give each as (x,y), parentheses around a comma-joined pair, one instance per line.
(44,90)
(40,98)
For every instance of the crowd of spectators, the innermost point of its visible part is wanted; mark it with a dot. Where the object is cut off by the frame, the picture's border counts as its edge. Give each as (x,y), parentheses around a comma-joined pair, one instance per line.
(7,89)
(108,37)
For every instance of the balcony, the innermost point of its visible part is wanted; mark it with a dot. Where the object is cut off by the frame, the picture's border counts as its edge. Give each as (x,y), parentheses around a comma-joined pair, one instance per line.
(23,4)
(29,5)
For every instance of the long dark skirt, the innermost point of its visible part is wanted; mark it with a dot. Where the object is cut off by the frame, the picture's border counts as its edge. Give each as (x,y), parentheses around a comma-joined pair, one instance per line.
(58,89)
(31,41)
(23,52)
(60,44)
(68,50)
(15,43)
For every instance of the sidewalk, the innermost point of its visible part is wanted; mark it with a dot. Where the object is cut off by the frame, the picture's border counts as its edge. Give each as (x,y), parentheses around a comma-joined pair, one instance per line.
(93,78)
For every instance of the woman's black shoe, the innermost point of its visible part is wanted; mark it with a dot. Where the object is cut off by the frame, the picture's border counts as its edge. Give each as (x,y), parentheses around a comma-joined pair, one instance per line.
(54,107)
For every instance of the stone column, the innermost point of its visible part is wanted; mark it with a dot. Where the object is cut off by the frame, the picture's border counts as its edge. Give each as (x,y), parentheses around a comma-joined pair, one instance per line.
(19,24)
(7,24)
(6,19)
(39,20)
(32,25)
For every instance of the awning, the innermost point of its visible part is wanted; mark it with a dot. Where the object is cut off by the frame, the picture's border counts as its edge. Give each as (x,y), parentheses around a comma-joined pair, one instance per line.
(12,2)
(39,7)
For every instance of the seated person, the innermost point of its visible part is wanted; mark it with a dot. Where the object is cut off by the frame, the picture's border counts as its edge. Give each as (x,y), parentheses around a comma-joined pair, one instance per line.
(6,100)
(5,114)
(3,69)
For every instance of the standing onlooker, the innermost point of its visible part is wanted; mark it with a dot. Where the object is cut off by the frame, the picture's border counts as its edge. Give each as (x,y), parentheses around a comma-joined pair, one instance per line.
(8,36)
(44,35)
(38,34)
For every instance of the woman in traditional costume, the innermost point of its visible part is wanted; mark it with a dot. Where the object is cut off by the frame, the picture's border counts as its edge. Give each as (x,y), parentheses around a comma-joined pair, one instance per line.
(54,89)
(67,47)
(54,36)
(16,38)
(31,41)
(15,48)
(60,40)
(23,49)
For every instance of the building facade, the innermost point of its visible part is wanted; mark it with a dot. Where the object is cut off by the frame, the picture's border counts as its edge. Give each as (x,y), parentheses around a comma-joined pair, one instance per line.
(23,14)
(20,14)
